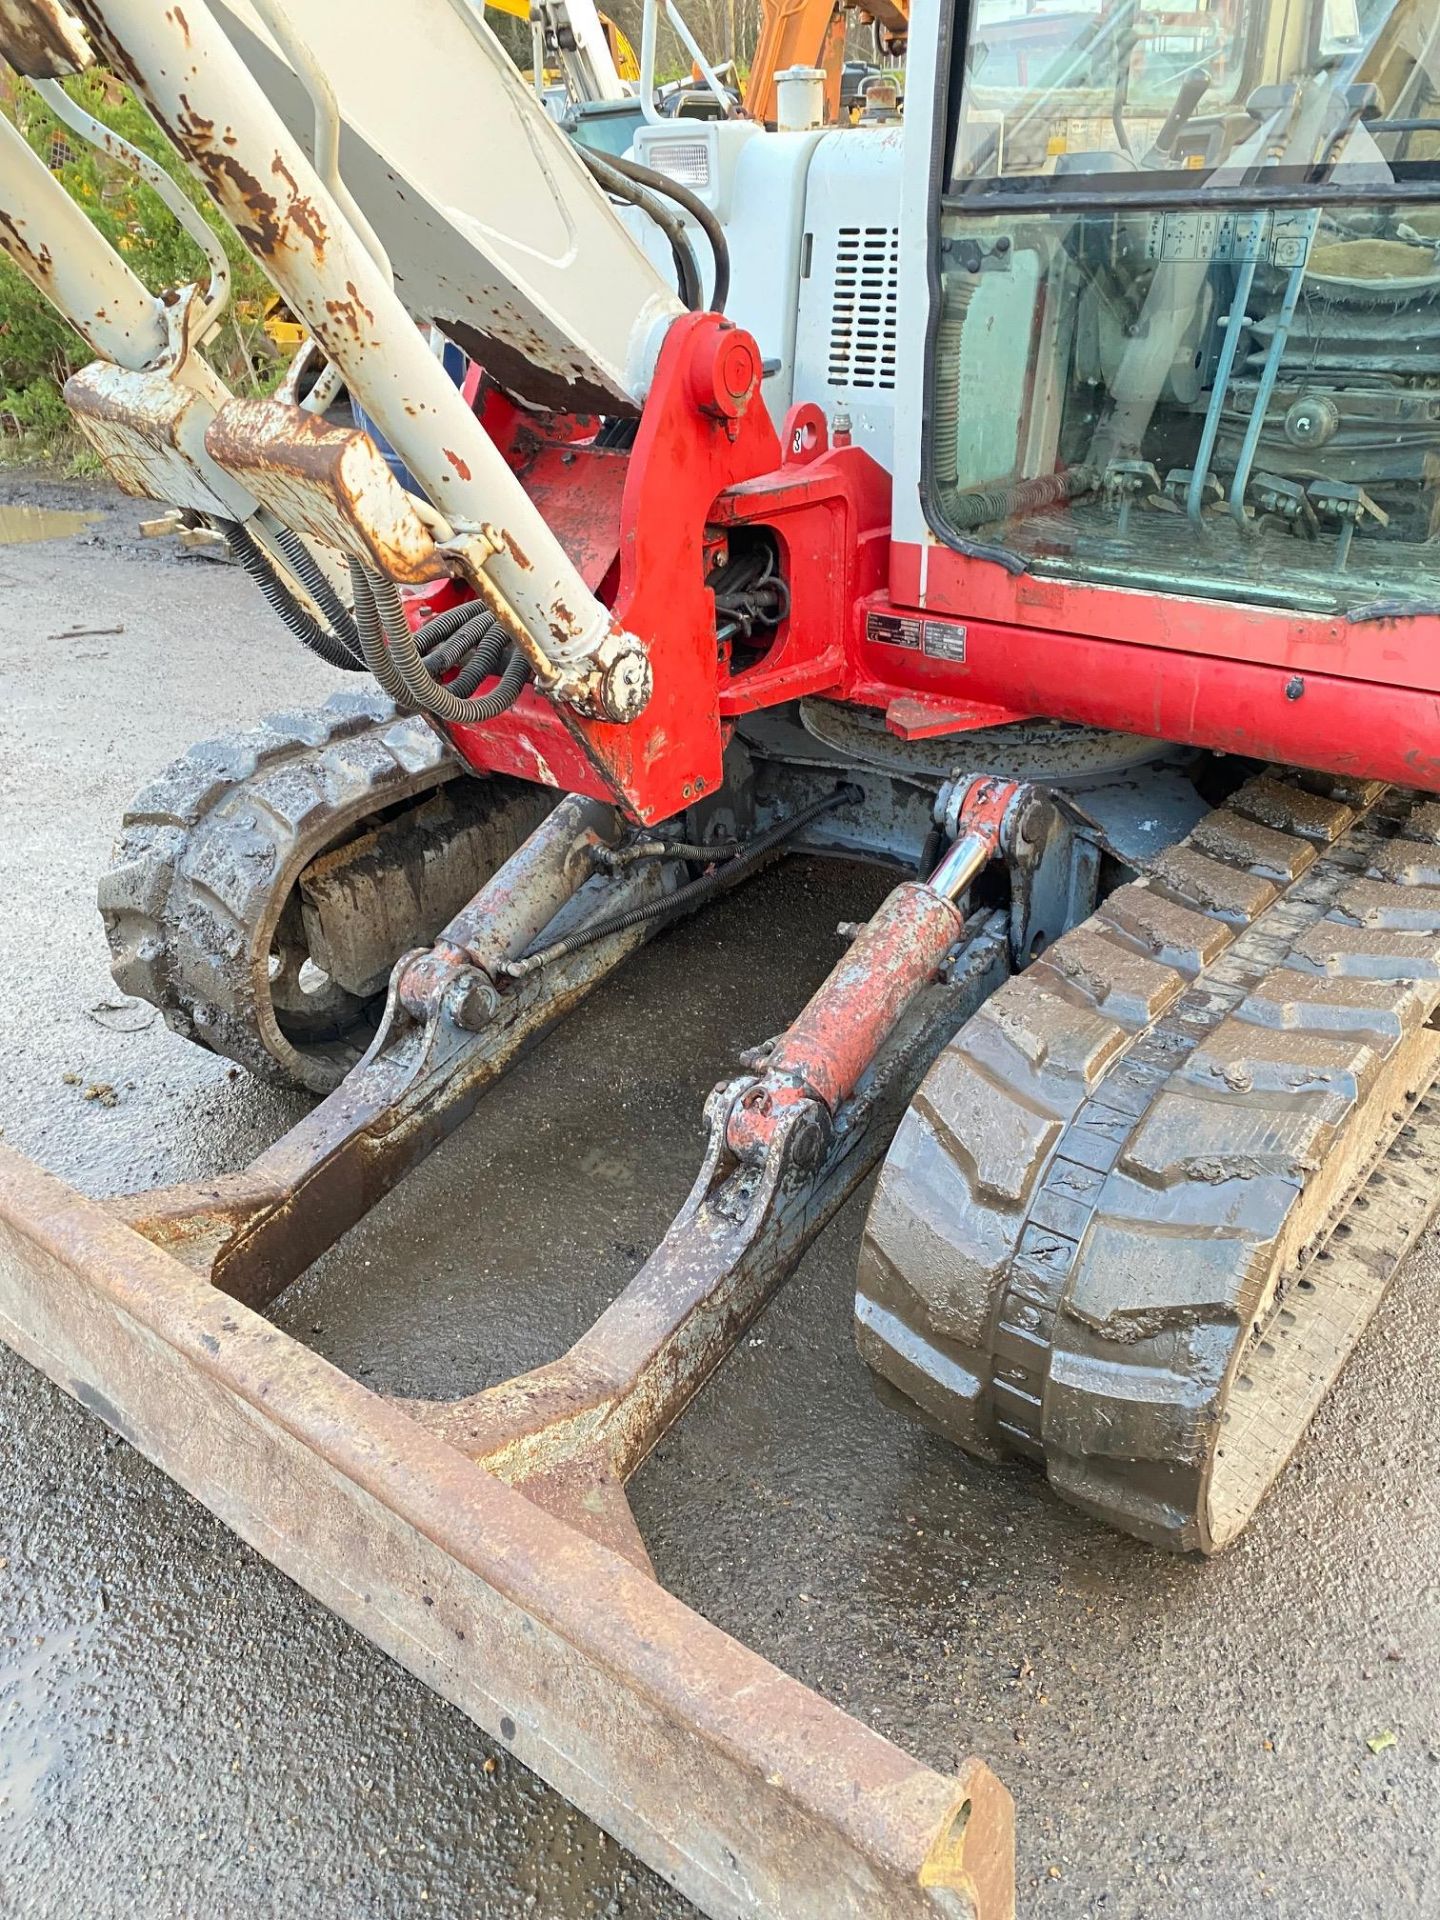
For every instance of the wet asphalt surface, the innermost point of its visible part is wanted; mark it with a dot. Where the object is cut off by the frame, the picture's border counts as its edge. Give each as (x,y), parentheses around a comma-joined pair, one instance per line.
(184,1732)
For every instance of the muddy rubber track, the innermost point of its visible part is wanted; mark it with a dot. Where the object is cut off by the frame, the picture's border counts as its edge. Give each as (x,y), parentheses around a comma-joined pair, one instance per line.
(1147,1200)
(207,861)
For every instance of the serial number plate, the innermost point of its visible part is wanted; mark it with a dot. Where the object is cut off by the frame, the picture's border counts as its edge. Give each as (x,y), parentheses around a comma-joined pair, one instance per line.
(940,639)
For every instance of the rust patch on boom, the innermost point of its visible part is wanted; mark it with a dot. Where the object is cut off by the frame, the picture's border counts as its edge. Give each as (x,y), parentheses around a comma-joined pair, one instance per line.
(40,39)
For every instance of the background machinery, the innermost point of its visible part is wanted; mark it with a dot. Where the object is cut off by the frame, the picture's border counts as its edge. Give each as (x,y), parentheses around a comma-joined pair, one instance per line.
(1038,500)
(812,33)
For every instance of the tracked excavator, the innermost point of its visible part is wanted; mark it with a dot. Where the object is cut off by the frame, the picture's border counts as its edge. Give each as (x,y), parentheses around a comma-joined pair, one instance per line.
(1038,500)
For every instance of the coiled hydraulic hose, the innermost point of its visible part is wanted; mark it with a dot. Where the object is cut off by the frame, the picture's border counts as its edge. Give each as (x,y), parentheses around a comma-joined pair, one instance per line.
(306,628)
(449,653)
(422,689)
(687,270)
(312,576)
(693,894)
(489,706)
(487,660)
(956,298)
(963,508)
(967,510)
(451,621)
(658,182)
(372,640)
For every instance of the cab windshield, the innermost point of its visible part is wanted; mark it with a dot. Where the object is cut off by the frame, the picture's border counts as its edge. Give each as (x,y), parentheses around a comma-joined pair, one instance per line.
(1200,84)
(1189,297)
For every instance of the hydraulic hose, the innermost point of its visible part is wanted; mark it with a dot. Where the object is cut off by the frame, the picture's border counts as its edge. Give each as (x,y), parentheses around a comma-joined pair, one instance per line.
(422,689)
(694,893)
(955,303)
(311,575)
(451,621)
(966,511)
(306,628)
(372,640)
(479,628)
(614,182)
(659,182)
(614,858)
(513,682)
(487,660)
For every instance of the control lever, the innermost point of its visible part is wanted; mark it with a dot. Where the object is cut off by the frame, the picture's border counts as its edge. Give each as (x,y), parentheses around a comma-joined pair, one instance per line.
(1193,89)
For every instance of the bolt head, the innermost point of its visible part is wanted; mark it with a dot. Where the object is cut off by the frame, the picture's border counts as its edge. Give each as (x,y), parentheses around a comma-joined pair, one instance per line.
(472,1001)
(809,1142)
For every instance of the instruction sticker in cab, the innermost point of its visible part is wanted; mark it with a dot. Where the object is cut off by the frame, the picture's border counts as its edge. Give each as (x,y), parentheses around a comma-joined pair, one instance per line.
(939,638)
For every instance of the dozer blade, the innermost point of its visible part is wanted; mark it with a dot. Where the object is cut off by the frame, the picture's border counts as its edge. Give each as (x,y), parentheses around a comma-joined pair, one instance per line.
(1146,1202)
(743,1788)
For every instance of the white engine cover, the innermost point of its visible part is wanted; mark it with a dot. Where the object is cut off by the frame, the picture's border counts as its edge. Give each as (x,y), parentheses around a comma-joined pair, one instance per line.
(847,331)
(813,221)
(754,184)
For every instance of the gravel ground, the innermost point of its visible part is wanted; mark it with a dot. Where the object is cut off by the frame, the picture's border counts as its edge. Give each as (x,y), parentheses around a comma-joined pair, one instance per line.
(183,1732)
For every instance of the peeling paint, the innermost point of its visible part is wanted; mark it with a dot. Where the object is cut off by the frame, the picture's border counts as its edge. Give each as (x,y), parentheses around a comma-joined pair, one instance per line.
(39,39)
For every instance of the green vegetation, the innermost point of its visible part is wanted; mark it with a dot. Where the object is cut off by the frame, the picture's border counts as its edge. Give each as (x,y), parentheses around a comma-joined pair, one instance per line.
(38,350)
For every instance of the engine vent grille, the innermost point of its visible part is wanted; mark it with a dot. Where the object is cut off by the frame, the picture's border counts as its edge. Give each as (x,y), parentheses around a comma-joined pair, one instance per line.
(863,317)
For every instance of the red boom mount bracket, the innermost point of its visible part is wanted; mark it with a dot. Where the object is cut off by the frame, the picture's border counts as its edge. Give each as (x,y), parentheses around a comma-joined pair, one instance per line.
(706,460)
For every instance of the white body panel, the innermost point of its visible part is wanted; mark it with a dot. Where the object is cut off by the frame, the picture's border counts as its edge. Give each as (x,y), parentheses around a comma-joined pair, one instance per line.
(754,184)
(847,339)
(491,221)
(813,221)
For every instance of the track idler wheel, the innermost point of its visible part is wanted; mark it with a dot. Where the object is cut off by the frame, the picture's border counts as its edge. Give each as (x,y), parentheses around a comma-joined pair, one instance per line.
(264,884)
(1145,1203)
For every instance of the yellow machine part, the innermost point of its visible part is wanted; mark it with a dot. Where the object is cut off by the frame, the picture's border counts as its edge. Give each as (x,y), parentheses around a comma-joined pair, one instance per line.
(627,63)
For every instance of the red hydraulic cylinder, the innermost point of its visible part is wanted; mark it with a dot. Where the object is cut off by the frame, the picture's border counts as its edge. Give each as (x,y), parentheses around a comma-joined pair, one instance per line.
(845,1023)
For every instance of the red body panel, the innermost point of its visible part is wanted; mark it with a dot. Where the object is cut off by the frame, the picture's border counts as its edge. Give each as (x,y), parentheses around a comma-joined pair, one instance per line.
(1359,698)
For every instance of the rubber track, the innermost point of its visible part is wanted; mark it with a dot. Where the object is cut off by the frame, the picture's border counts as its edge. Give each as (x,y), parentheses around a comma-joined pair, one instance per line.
(1113,1231)
(209,852)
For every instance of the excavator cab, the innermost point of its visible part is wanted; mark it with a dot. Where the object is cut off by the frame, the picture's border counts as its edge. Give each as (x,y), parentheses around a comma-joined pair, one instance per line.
(1186,286)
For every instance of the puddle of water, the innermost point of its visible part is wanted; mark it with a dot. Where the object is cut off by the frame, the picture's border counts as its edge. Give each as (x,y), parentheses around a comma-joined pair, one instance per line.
(35,1716)
(23,523)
